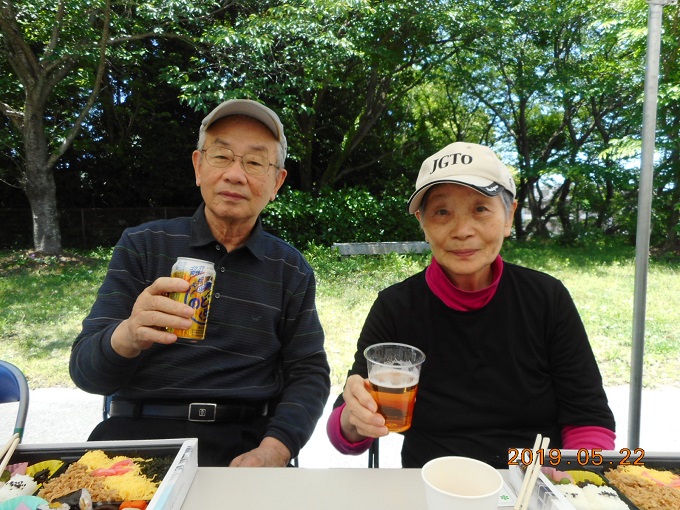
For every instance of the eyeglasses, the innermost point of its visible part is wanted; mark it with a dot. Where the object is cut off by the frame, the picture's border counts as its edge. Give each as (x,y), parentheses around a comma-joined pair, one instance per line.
(221,157)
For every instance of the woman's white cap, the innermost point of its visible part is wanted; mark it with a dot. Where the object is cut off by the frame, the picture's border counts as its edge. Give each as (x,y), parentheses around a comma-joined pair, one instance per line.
(470,164)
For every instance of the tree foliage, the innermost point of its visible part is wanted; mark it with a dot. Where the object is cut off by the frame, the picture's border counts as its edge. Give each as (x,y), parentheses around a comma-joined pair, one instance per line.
(106,97)
(53,52)
(336,70)
(56,57)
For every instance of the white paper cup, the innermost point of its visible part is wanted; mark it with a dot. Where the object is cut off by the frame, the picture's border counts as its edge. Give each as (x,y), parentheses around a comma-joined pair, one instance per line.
(461,483)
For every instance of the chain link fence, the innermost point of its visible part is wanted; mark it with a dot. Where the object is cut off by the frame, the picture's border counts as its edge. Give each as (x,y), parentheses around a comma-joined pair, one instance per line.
(82,228)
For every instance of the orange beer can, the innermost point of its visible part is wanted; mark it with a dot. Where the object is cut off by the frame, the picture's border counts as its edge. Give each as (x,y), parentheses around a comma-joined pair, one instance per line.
(201,275)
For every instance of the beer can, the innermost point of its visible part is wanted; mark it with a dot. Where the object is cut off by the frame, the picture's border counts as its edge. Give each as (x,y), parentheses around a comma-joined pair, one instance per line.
(201,275)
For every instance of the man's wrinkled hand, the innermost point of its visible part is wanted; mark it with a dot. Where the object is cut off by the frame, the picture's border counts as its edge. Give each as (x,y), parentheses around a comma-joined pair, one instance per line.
(270,453)
(152,313)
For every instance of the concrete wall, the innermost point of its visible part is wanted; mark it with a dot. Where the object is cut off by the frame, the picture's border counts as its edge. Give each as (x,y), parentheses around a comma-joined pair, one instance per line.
(381,248)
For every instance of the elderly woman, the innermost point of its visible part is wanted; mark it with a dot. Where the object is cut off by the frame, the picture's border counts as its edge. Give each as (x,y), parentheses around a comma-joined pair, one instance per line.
(507,354)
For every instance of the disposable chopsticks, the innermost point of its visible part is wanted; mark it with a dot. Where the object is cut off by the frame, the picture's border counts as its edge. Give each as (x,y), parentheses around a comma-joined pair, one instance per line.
(8,451)
(531,474)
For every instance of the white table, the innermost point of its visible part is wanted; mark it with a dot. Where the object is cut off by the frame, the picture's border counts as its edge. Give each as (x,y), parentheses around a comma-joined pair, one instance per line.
(306,489)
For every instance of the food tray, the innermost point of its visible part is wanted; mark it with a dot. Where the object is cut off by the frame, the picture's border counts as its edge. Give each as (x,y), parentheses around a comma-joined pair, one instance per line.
(171,491)
(590,460)
(599,462)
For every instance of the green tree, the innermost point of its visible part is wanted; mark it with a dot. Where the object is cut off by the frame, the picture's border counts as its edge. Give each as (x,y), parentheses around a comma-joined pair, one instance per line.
(56,50)
(544,77)
(667,175)
(334,69)
(366,90)
(54,59)
(138,133)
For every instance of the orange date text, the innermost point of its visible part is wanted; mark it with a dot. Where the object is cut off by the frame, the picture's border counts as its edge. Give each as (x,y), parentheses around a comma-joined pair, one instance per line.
(584,457)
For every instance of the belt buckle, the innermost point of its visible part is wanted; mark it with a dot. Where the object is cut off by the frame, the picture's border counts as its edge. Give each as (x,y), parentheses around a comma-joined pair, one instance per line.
(203,412)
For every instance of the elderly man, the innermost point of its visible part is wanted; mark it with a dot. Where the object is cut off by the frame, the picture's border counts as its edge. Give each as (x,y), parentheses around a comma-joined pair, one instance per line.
(254,388)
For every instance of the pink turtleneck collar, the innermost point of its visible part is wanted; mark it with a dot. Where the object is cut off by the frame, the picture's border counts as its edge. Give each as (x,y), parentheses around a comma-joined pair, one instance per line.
(462,300)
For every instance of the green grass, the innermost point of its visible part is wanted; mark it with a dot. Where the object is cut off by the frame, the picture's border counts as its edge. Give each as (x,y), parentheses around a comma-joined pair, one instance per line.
(44,300)
(602,282)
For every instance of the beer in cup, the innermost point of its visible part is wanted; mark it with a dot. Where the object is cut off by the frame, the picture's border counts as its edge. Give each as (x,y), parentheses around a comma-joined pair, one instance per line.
(461,483)
(393,374)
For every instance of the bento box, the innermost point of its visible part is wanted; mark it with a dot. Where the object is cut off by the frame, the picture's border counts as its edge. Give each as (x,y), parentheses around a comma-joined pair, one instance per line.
(175,459)
(625,479)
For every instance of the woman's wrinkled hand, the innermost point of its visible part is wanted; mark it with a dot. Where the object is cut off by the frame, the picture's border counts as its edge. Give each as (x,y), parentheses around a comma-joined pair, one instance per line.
(360,418)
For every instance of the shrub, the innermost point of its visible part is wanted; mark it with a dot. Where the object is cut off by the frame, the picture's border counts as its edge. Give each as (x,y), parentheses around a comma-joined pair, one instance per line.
(339,216)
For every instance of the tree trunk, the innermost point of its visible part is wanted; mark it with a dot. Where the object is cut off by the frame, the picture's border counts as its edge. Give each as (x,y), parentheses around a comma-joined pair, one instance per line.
(378,90)
(40,186)
(603,212)
(520,233)
(308,126)
(43,200)
(672,244)
(536,225)
(563,210)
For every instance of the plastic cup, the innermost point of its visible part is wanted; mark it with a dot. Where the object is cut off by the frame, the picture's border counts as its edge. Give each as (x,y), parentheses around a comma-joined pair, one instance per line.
(461,483)
(393,374)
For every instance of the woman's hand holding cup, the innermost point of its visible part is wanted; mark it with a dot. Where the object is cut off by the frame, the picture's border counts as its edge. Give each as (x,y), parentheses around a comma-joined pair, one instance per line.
(360,418)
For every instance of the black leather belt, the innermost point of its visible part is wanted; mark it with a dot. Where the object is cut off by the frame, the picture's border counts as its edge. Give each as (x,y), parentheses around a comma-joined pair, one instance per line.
(196,411)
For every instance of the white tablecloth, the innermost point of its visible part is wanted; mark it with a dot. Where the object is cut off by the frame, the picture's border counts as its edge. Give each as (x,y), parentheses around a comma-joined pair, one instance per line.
(306,489)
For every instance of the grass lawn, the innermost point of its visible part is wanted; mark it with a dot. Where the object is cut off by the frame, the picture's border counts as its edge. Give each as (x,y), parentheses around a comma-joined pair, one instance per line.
(44,300)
